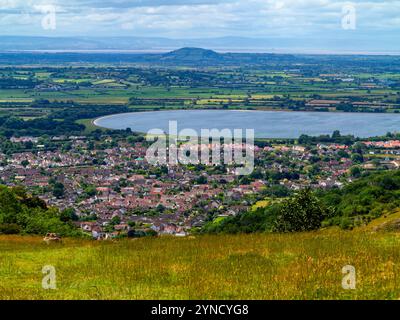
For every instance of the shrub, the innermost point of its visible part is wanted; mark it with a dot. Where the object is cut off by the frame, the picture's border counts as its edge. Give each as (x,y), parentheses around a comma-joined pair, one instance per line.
(10,228)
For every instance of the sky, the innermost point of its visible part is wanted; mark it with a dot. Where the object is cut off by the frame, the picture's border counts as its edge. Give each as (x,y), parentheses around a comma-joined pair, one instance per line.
(301,19)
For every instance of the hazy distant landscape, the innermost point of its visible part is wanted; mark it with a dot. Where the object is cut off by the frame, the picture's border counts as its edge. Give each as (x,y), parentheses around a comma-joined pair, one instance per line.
(309,45)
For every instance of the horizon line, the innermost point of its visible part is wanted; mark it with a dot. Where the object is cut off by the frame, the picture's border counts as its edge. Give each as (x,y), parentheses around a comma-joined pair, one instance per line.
(217,50)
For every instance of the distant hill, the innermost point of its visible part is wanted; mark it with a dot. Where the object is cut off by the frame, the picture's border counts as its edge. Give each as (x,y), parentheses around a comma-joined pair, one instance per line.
(193,55)
(197,58)
(187,56)
(147,44)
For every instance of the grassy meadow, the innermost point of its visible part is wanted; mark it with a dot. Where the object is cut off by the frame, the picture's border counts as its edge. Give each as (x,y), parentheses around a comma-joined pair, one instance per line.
(257,266)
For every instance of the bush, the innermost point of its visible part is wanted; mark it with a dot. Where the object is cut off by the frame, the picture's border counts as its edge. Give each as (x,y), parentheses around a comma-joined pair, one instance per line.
(136,234)
(260,220)
(10,228)
(346,223)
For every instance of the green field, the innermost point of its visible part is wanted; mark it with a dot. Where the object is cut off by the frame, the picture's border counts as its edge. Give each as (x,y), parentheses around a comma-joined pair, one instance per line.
(256,87)
(90,126)
(259,266)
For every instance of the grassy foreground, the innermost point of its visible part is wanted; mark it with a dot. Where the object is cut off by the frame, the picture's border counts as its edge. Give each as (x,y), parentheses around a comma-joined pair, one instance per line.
(259,266)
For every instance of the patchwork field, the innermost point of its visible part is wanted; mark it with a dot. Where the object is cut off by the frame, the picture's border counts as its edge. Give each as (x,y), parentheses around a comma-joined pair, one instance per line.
(259,266)
(298,84)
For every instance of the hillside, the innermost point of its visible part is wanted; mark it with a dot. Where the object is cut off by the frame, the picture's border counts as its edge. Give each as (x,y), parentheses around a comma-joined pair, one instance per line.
(373,196)
(21,213)
(293,266)
(192,55)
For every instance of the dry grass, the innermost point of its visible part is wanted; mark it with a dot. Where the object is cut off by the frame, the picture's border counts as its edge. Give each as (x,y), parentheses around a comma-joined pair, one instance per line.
(298,266)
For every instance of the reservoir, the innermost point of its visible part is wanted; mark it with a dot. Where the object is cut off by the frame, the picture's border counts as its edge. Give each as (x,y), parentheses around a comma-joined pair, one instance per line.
(266,124)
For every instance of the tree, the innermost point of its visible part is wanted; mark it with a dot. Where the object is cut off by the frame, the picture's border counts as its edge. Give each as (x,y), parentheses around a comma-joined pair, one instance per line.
(115,220)
(355,171)
(24,163)
(336,134)
(28,145)
(303,212)
(201,180)
(90,191)
(68,215)
(357,158)
(58,190)
(343,154)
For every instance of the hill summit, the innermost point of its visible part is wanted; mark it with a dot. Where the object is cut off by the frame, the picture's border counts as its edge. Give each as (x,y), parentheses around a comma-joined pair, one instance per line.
(193,54)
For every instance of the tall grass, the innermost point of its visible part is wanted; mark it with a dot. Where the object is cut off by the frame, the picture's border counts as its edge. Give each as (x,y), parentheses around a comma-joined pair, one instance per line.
(259,266)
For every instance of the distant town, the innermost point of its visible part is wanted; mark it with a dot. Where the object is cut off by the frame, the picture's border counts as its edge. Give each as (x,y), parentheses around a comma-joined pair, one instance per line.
(113,190)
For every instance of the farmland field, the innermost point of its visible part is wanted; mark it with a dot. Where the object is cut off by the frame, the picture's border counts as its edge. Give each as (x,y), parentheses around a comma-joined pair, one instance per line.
(301,83)
(258,266)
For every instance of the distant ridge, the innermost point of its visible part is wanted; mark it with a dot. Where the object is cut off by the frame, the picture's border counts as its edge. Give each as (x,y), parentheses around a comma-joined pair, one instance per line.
(187,56)
(220,44)
(192,54)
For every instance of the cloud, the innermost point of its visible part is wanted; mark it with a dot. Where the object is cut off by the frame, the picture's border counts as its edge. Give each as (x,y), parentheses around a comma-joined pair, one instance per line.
(201,18)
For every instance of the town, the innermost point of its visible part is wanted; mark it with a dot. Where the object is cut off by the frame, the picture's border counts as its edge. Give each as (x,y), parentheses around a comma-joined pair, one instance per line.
(113,191)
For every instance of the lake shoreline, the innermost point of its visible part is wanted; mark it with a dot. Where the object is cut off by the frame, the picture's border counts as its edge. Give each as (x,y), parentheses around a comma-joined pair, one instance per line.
(268,124)
(237,110)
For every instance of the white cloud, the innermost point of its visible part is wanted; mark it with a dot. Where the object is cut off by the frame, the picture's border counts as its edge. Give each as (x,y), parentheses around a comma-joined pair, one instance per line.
(200,18)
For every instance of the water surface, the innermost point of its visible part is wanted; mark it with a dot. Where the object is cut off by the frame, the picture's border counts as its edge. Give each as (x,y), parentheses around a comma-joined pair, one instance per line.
(267,124)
